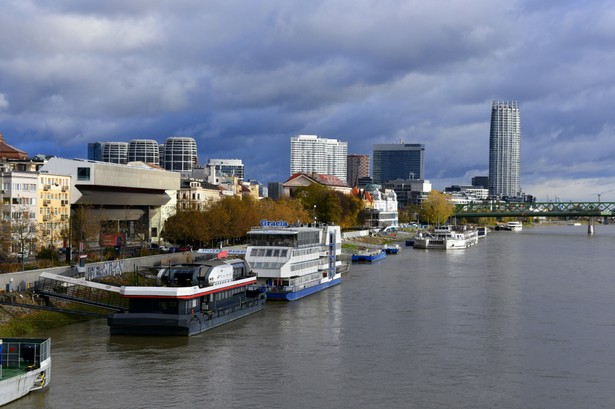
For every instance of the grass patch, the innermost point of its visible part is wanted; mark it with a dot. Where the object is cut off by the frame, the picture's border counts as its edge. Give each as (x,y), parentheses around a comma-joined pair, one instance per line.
(39,321)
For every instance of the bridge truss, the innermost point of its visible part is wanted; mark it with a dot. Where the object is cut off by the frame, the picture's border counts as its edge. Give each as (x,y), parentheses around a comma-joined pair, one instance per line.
(537,209)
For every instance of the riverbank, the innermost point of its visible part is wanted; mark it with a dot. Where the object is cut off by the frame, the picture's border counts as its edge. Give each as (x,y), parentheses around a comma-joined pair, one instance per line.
(18,321)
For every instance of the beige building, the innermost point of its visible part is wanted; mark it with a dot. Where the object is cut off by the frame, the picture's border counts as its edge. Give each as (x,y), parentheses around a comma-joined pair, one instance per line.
(197,195)
(299,180)
(53,209)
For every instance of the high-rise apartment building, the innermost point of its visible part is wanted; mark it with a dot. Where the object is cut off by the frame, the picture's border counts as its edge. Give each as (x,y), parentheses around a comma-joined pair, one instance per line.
(505,150)
(144,150)
(398,161)
(180,154)
(311,154)
(357,167)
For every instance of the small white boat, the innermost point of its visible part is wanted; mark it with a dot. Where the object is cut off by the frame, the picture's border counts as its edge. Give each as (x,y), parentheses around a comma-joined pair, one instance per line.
(514,226)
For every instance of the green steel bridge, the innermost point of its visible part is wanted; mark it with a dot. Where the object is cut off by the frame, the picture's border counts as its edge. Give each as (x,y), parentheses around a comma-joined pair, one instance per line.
(537,209)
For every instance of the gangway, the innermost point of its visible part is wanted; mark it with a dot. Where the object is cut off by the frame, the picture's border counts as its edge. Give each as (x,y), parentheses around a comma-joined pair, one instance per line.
(81,291)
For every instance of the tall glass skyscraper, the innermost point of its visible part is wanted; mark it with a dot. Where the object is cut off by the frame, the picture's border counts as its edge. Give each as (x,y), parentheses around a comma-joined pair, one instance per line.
(398,161)
(505,150)
(311,154)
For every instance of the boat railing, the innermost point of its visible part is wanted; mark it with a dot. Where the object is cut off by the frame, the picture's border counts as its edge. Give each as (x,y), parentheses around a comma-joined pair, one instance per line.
(24,352)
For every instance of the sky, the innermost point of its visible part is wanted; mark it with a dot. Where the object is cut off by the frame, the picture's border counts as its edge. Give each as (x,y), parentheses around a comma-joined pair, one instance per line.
(242,77)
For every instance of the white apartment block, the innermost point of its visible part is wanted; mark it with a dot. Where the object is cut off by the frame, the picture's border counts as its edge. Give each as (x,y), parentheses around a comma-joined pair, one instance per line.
(311,154)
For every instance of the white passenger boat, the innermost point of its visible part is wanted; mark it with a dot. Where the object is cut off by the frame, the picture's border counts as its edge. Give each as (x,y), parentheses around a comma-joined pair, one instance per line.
(514,226)
(445,238)
(291,262)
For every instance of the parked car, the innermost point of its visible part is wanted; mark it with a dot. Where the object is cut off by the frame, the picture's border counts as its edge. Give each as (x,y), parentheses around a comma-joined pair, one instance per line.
(23,255)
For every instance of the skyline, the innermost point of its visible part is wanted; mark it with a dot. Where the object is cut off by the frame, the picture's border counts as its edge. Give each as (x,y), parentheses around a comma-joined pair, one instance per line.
(243,78)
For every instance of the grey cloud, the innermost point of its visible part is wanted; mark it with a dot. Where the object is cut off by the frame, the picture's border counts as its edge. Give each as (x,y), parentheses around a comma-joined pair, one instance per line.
(243,77)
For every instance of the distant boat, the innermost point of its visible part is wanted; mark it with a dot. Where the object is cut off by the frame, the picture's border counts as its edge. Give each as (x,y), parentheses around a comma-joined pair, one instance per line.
(514,226)
(25,367)
(445,238)
(369,255)
(510,226)
(574,224)
(391,248)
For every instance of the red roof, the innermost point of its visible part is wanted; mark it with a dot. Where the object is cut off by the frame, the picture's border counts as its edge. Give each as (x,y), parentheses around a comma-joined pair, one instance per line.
(8,152)
(327,180)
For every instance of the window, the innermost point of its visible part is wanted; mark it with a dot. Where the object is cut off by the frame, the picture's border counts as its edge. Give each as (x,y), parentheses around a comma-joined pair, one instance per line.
(83,173)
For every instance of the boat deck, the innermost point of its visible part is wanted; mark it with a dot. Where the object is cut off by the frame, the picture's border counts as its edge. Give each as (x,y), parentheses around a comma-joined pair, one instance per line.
(13,372)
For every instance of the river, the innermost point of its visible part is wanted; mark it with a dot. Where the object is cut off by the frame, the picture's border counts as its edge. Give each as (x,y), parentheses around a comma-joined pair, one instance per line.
(521,320)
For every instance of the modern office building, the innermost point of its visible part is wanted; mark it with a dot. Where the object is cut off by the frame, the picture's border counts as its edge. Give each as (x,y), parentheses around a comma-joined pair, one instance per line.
(398,161)
(481,181)
(311,154)
(144,150)
(95,151)
(228,167)
(504,150)
(180,154)
(357,167)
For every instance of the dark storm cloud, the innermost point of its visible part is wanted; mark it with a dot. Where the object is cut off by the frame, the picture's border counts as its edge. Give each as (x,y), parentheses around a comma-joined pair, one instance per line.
(243,77)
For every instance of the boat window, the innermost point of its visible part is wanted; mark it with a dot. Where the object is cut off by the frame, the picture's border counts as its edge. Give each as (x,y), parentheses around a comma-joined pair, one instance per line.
(284,253)
(269,252)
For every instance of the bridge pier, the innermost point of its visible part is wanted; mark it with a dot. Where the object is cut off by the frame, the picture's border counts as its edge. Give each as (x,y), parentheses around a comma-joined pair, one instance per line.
(590,226)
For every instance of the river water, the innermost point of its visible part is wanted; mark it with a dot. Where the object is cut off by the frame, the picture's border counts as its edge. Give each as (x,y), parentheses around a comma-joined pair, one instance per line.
(521,320)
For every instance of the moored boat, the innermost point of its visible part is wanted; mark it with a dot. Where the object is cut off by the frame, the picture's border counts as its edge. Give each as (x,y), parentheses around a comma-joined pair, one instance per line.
(514,226)
(191,299)
(369,255)
(25,367)
(391,248)
(446,238)
(292,262)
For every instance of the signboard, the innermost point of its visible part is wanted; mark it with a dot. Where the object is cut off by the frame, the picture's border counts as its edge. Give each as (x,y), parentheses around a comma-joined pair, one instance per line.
(270,223)
(112,239)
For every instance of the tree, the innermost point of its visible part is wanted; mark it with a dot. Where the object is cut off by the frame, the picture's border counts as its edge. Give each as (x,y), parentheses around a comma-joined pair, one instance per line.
(85,225)
(322,202)
(351,207)
(437,208)
(23,231)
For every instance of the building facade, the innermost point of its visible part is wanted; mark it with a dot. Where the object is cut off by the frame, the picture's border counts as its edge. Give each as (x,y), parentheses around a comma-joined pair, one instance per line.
(481,181)
(357,166)
(311,154)
(114,152)
(409,191)
(505,150)
(398,161)
(180,154)
(132,199)
(144,150)
(228,167)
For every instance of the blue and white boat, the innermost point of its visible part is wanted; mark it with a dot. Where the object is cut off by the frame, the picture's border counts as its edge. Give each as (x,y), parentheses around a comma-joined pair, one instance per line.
(369,255)
(391,248)
(292,262)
